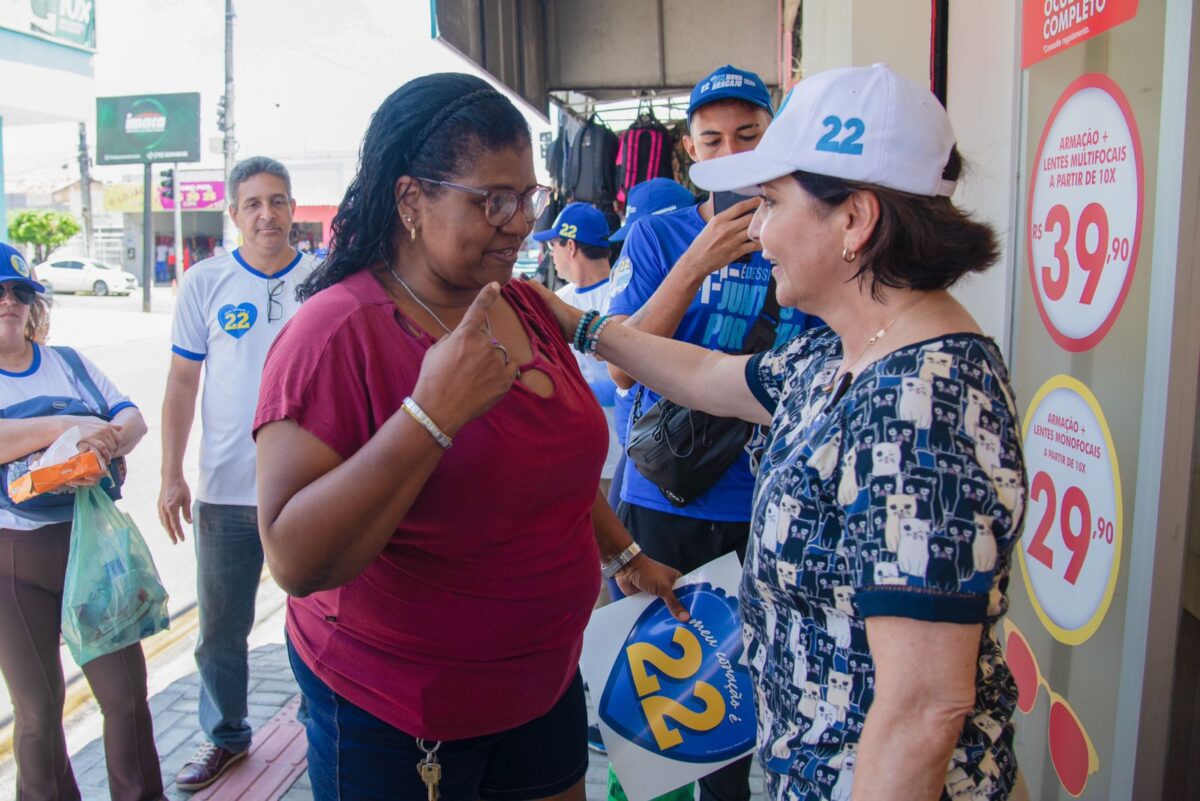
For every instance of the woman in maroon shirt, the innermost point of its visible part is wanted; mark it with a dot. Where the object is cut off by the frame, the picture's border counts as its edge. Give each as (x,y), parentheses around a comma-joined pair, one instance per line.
(440,593)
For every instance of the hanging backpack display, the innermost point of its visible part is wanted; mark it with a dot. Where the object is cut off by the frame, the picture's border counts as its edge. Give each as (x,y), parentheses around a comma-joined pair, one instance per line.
(556,159)
(592,164)
(645,152)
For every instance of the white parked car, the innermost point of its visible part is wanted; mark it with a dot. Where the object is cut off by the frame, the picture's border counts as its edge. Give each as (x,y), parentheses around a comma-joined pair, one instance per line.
(77,274)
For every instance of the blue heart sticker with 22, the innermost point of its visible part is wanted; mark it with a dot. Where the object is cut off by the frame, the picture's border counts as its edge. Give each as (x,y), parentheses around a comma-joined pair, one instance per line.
(677,689)
(237,320)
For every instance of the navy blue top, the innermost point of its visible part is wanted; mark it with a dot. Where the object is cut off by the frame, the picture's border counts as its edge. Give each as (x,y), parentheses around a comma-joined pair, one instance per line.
(904,497)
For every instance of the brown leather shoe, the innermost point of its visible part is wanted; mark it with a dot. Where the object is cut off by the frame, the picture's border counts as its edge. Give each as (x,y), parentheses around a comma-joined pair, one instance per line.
(206,766)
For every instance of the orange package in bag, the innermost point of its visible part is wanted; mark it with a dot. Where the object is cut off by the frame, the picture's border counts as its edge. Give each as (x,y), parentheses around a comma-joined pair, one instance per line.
(84,465)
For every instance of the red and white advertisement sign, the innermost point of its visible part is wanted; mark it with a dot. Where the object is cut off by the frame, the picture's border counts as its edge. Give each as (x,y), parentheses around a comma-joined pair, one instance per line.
(1050,26)
(1071,551)
(1084,215)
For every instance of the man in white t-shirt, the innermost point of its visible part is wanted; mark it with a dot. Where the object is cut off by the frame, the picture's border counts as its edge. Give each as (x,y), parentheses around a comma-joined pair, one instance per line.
(229,310)
(580,249)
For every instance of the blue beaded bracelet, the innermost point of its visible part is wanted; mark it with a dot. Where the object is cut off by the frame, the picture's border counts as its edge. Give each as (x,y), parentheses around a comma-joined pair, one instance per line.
(594,338)
(579,340)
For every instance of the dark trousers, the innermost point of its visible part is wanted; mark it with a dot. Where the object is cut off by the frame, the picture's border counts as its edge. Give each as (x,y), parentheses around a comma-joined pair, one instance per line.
(686,543)
(33,566)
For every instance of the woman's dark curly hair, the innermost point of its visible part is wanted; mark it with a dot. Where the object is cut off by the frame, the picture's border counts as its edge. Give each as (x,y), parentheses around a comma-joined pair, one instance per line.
(434,127)
(923,243)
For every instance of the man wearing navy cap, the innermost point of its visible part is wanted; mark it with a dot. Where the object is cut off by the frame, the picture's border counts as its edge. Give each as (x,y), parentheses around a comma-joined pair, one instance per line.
(678,276)
(656,196)
(579,245)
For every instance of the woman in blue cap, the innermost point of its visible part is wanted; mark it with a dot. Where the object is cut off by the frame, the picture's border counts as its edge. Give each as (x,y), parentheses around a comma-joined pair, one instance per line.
(43,393)
(891,490)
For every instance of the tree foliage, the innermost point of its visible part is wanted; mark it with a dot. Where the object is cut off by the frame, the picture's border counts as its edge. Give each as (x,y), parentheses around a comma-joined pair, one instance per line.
(45,230)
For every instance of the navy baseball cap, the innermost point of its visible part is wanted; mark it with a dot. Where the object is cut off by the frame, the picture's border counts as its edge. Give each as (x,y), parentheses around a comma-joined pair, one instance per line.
(581,222)
(730,82)
(656,196)
(13,267)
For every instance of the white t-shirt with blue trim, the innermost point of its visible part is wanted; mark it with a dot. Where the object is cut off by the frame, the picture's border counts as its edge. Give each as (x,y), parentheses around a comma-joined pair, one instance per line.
(595,371)
(50,375)
(227,315)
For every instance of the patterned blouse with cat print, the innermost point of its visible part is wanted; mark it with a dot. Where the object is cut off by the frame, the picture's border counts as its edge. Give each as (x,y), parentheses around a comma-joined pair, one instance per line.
(902,498)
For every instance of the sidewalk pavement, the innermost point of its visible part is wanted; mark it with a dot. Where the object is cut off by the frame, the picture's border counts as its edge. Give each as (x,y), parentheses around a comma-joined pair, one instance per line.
(272,686)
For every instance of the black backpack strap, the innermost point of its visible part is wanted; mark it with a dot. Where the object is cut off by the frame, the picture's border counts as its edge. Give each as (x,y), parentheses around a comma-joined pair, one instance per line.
(82,377)
(761,336)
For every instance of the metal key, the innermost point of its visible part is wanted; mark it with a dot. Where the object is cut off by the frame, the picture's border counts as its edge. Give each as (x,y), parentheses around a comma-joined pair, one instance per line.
(429,769)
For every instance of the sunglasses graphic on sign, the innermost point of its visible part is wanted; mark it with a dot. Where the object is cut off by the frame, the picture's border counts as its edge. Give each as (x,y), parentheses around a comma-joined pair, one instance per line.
(1071,750)
(678,689)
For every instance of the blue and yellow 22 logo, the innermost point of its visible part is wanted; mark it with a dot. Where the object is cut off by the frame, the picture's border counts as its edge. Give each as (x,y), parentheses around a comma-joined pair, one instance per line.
(237,320)
(678,689)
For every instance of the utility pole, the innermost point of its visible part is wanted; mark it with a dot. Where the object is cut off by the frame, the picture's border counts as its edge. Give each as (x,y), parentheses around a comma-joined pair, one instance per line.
(147,238)
(178,201)
(229,231)
(85,189)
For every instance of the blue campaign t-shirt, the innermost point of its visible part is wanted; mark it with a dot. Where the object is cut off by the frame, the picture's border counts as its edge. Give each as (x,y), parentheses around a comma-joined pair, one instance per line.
(718,318)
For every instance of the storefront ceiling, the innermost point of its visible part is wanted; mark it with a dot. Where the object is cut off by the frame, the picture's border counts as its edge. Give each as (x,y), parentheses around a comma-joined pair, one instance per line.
(608,49)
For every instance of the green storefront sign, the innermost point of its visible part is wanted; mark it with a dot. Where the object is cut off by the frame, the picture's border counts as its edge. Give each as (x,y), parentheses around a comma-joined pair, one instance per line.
(71,22)
(148,128)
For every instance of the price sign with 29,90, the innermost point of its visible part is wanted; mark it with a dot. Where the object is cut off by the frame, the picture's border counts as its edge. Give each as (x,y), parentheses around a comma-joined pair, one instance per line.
(1071,549)
(1085,206)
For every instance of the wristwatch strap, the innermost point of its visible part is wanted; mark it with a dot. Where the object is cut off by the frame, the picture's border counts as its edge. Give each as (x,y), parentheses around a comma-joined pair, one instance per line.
(612,567)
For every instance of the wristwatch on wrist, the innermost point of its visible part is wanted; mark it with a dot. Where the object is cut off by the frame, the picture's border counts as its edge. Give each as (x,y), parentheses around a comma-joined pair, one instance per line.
(613,566)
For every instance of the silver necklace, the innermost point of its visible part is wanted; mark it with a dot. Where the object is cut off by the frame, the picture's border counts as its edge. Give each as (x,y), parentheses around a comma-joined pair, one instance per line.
(486,320)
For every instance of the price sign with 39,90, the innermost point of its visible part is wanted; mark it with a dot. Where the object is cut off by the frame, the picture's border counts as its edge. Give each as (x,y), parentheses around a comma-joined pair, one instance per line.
(1071,550)
(1085,206)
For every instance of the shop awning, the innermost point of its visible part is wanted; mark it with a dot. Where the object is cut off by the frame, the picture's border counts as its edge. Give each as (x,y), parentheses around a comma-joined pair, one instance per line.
(608,49)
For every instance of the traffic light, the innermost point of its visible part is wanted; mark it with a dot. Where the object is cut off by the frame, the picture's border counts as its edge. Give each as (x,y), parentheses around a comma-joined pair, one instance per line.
(221,113)
(167,184)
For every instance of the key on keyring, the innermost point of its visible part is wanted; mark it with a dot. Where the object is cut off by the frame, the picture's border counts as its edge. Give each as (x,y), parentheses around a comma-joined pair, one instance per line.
(431,773)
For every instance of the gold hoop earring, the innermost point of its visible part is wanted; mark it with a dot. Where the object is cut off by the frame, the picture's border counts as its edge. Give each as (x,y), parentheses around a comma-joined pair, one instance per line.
(849,255)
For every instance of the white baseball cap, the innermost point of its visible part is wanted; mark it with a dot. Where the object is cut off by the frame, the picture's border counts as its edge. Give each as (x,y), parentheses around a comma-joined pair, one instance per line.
(858,123)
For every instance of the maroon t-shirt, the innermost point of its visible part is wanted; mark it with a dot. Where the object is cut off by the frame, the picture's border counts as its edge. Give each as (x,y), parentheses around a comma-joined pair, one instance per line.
(471,619)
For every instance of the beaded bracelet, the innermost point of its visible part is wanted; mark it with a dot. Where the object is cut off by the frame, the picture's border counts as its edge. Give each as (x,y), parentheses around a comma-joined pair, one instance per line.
(593,341)
(417,413)
(581,330)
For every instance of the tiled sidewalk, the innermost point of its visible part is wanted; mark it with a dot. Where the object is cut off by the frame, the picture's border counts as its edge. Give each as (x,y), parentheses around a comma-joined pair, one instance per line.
(177,731)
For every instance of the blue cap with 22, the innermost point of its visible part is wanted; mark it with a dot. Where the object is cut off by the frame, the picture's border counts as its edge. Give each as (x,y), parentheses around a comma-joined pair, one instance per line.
(582,222)
(730,82)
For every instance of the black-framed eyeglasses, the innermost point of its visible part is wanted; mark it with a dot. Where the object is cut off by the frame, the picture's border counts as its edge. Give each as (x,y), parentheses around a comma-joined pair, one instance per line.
(22,293)
(274,305)
(500,205)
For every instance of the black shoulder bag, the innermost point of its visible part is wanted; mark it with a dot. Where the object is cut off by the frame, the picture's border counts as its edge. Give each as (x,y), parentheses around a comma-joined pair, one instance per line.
(684,452)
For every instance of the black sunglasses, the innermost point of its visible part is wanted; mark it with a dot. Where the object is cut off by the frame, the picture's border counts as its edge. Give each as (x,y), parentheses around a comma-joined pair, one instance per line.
(22,293)
(274,306)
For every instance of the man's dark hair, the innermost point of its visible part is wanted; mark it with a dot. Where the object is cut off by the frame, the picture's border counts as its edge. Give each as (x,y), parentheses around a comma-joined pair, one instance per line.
(256,165)
(923,243)
(593,252)
(434,127)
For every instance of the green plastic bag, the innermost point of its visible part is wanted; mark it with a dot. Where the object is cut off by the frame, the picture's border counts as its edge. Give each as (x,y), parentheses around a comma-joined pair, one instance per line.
(112,597)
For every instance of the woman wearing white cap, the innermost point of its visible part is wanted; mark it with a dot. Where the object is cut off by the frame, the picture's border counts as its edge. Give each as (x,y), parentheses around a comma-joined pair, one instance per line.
(892,487)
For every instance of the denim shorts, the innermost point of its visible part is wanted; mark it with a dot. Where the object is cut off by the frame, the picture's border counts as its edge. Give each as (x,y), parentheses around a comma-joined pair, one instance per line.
(354,755)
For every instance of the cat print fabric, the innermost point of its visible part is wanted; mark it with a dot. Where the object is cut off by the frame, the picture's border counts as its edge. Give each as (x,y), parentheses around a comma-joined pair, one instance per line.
(902,498)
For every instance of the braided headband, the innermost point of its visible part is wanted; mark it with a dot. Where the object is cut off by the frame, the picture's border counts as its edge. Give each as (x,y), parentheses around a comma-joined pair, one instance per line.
(447,111)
